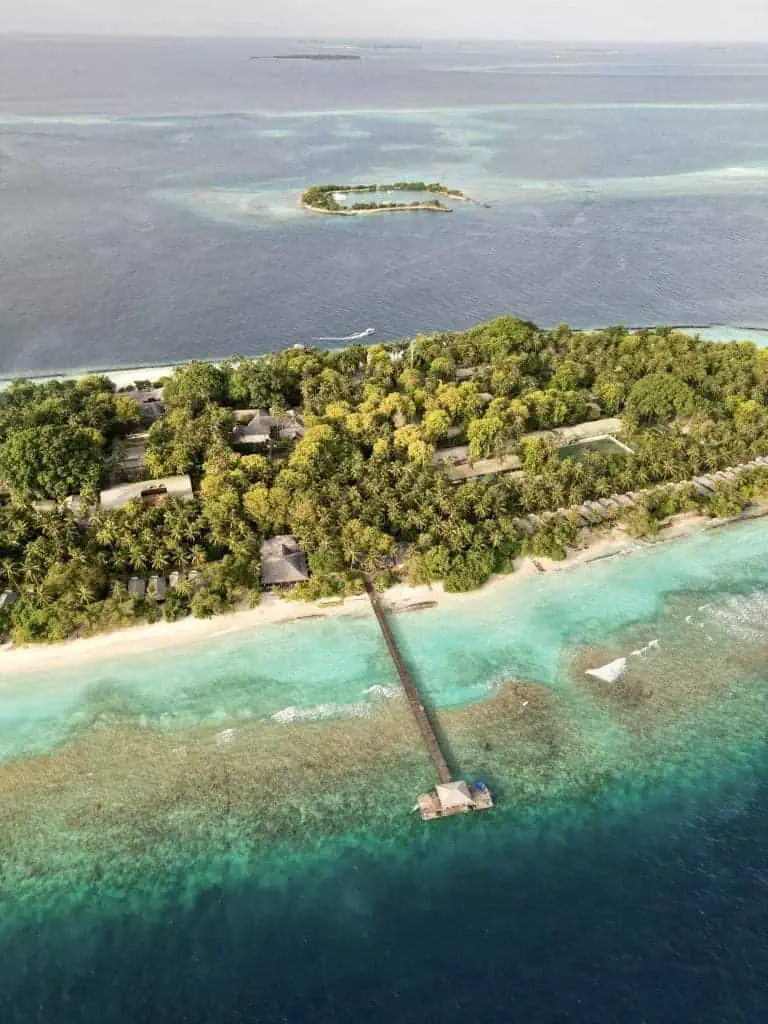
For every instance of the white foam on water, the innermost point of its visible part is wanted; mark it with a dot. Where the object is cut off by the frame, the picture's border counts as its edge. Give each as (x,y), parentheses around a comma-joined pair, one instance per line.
(744,617)
(611,672)
(650,646)
(286,716)
(386,692)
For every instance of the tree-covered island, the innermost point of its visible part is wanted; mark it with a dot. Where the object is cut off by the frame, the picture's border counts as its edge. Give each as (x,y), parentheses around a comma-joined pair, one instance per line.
(441,458)
(328,198)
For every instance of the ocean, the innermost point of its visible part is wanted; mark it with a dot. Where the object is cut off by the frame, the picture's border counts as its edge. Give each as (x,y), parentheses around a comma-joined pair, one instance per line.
(149,193)
(223,832)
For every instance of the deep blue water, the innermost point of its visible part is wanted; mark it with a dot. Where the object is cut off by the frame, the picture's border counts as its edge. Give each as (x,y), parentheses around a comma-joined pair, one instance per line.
(149,193)
(655,916)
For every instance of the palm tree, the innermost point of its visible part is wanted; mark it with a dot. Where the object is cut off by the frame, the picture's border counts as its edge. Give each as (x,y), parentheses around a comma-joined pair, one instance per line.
(138,557)
(158,559)
(11,570)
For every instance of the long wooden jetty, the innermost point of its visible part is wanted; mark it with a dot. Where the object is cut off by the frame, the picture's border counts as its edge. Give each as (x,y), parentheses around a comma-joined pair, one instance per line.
(450,797)
(426,729)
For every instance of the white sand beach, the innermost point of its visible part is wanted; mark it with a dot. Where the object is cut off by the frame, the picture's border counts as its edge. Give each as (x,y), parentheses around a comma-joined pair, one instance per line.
(272,610)
(598,545)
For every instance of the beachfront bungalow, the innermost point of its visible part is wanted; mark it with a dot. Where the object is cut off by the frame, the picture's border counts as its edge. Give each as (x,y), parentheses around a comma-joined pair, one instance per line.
(7,598)
(262,428)
(149,492)
(137,587)
(283,563)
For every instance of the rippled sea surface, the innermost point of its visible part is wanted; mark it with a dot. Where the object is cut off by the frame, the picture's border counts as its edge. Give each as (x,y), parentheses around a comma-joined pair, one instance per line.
(149,193)
(224,832)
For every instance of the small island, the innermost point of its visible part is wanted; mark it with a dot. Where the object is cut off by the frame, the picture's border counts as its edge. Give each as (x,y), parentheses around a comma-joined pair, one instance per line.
(330,198)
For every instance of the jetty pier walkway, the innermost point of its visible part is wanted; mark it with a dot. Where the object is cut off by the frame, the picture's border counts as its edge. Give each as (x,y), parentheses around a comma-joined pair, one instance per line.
(450,797)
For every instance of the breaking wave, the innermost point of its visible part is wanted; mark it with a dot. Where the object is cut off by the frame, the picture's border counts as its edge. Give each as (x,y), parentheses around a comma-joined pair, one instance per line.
(744,617)
(360,709)
(336,709)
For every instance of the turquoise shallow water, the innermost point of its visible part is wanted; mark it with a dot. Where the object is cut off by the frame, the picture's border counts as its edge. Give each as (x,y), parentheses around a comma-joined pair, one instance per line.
(518,630)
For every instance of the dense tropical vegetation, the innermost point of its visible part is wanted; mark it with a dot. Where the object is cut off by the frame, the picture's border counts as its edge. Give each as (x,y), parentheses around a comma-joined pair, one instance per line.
(362,478)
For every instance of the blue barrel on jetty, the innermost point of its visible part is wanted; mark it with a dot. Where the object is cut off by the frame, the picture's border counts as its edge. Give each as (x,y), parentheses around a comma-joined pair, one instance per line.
(481,786)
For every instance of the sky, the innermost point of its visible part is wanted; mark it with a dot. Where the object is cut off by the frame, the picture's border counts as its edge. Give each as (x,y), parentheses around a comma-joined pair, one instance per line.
(634,20)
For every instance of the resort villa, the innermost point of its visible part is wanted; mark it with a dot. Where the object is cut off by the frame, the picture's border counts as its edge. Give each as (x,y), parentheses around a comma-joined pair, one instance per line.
(259,427)
(283,563)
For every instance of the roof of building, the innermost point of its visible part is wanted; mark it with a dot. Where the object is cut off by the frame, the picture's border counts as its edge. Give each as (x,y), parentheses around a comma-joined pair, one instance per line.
(262,426)
(159,584)
(282,562)
(150,401)
(457,455)
(144,396)
(578,432)
(148,490)
(137,587)
(483,467)
(7,598)
(454,794)
(44,505)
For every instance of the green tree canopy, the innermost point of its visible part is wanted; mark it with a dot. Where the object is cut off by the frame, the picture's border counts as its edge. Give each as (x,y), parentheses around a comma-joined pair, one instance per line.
(52,461)
(659,397)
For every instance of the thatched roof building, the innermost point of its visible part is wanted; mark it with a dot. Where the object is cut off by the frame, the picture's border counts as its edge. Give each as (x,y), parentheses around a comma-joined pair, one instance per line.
(455,796)
(283,563)
(149,400)
(263,427)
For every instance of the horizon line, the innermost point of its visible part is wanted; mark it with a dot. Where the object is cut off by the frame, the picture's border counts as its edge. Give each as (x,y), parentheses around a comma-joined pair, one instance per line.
(232,35)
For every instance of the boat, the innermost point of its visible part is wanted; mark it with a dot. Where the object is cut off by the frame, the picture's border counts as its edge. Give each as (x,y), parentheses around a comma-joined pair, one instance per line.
(352,337)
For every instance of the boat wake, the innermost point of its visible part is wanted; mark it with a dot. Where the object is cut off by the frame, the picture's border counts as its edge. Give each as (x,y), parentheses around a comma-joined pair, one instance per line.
(351,337)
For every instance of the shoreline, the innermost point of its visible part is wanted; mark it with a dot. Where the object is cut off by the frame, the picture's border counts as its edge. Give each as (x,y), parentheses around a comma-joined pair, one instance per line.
(126,375)
(16,662)
(421,207)
(429,207)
